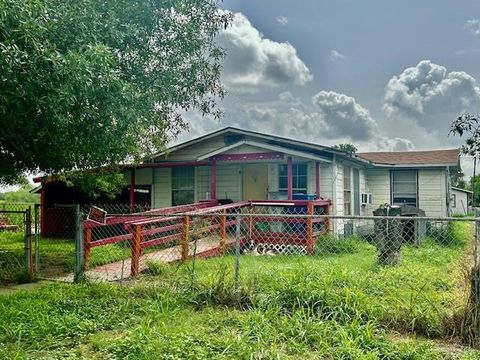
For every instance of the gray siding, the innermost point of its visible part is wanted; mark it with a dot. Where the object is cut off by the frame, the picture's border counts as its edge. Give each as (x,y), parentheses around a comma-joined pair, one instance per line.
(229,182)
(202,181)
(162,187)
(378,184)
(192,152)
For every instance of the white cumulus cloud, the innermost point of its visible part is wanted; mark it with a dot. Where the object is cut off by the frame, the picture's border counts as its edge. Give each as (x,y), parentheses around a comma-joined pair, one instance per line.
(344,115)
(429,89)
(335,55)
(253,61)
(473,26)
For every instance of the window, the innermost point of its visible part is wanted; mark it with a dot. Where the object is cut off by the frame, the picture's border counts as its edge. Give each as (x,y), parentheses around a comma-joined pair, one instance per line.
(454,200)
(299,172)
(347,190)
(183,185)
(404,187)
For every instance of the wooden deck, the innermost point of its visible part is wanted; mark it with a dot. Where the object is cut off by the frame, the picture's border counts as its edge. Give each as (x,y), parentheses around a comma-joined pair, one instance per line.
(206,247)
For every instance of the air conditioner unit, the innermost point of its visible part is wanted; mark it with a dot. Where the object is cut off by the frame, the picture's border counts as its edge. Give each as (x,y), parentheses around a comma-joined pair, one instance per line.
(366,199)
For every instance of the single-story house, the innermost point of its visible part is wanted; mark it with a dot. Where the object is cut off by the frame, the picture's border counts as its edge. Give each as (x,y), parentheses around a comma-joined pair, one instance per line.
(238,165)
(460,202)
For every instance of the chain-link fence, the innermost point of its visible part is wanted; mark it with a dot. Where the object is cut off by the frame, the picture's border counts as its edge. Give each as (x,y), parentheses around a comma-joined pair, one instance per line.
(16,244)
(423,270)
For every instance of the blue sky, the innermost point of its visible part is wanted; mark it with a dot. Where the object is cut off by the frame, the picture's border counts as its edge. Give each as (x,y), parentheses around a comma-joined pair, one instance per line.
(384,75)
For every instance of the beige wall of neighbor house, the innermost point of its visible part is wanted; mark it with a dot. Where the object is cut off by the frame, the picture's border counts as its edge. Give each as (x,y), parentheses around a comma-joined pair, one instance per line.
(459,202)
(432,194)
(378,184)
(432,190)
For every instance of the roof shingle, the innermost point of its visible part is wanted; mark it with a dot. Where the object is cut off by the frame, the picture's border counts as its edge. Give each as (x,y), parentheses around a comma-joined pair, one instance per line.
(433,157)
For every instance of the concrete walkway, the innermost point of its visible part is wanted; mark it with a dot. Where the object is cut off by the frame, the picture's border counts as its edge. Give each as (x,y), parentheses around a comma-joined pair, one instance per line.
(121,269)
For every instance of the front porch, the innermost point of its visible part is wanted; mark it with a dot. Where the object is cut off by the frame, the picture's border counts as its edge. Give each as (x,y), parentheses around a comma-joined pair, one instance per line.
(240,172)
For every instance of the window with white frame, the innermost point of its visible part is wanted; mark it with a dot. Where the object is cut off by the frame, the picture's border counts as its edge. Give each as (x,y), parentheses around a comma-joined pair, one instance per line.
(404,187)
(347,190)
(299,177)
(454,200)
(183,185)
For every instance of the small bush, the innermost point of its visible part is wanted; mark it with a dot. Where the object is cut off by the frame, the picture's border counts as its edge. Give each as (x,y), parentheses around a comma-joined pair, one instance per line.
(331,244)
(452,234)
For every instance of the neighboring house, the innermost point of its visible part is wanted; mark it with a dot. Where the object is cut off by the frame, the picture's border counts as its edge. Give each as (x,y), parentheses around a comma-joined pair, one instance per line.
(241,165)
(460,202)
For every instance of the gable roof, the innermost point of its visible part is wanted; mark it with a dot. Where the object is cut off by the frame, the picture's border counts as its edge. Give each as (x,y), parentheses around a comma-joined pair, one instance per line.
(267,138)
(450,157)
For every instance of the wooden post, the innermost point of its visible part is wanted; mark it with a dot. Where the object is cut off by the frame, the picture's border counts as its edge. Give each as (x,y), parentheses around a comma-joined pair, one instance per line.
(310,239)
(87,240)
(185,237)
(136,250)
(289,178)
(223,232)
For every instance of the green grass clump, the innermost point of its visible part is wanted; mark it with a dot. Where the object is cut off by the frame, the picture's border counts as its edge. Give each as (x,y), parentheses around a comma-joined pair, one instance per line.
(330,244)
(455,233)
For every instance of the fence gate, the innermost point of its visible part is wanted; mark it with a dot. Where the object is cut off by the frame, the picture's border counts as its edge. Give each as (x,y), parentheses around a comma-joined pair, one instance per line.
(16,245)
(57,235)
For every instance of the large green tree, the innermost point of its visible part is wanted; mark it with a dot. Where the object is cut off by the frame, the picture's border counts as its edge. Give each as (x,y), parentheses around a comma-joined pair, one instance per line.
(91,83)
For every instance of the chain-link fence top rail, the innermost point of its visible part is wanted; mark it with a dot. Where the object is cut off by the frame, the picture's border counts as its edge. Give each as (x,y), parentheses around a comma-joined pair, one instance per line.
(16,262)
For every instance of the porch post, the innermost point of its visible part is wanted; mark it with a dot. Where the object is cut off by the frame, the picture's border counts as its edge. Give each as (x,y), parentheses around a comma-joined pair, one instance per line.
(132,190)
(317,179)
(213,179)
(289,178)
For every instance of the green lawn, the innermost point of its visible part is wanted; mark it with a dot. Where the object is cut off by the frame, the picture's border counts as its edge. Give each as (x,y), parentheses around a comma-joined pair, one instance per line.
(339,305)
(56,257)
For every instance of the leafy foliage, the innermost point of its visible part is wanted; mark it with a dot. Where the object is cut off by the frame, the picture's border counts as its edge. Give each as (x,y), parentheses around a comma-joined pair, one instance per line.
(21,195)
(468,125)
(348,148)
(88,83)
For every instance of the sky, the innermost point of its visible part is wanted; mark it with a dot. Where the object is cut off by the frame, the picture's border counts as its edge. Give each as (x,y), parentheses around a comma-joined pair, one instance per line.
(383,75)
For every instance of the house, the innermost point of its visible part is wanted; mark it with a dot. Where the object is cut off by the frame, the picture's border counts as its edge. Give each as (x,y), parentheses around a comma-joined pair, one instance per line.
(232,164)
(460,202)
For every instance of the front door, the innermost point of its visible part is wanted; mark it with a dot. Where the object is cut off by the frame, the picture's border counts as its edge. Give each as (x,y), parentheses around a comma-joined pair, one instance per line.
(255,182)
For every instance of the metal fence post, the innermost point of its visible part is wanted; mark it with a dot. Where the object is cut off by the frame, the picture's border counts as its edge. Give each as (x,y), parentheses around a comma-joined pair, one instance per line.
(37,245)
(79,274)
(28,242)
(475,277)
(237,250)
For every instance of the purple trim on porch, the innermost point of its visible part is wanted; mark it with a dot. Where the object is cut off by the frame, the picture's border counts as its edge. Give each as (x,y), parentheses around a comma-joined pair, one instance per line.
(249,156)
(213,179)
(289,178)
(317,179)
(173,164)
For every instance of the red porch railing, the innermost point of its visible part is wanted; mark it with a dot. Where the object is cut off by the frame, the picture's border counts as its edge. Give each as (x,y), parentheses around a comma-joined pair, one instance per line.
(181,224)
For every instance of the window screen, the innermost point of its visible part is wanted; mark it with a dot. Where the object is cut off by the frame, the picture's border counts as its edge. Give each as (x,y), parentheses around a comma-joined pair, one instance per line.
(183,185)
(404,187)
(299,178)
